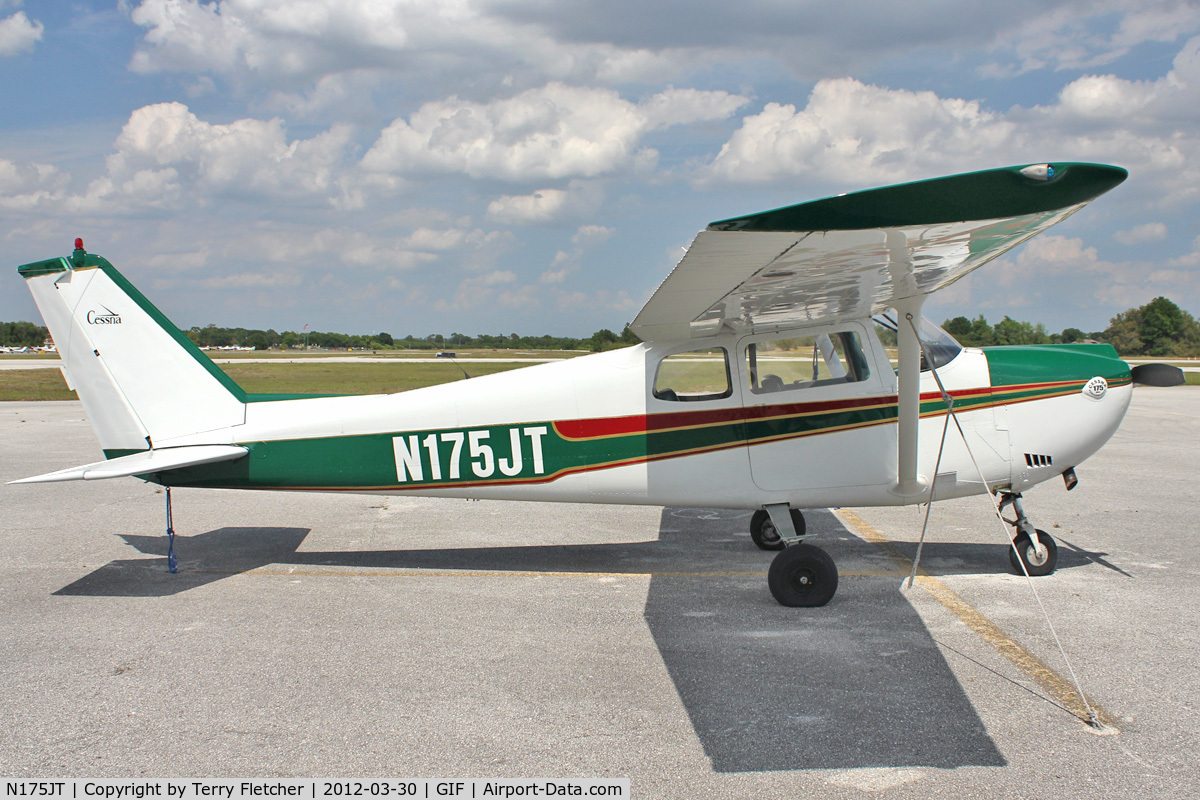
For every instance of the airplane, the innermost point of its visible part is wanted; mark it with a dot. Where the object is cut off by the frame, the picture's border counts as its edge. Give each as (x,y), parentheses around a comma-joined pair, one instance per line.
(761,383)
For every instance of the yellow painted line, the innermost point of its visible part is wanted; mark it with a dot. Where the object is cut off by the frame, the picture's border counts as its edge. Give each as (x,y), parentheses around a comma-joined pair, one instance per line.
(1060,689)
(281,572)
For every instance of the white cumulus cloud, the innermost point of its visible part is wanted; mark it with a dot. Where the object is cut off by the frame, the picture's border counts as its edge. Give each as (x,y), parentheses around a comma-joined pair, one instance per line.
(265,38)
(557,131)
(18,34)
(541,206)
(1140,234)
(265,42)
(852,132)
(1085,34)
(581,198)
(26,186)
(247,155)
(165,157)
(685,106)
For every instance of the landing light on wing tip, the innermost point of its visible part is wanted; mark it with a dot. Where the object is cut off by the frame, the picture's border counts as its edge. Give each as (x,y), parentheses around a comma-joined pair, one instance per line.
(1039,172)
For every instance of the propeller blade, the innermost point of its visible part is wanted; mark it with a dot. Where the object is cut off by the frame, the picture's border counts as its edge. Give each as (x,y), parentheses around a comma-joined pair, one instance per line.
(1157,375)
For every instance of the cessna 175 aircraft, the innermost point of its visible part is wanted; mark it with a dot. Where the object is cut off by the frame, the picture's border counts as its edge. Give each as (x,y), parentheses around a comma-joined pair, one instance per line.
(761,384)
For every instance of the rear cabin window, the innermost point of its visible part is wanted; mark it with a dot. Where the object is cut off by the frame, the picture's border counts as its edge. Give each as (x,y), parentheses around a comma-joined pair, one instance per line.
(804,362)
(695,375)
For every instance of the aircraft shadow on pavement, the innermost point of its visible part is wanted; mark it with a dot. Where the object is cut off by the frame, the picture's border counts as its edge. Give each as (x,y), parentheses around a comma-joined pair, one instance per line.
(858,683)
(208,557)
(202,559)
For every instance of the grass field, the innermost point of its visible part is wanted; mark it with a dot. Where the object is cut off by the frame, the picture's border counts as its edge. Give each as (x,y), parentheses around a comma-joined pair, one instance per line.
(314,378)
(34,384)
(400,355)
(306,378)
(348,378)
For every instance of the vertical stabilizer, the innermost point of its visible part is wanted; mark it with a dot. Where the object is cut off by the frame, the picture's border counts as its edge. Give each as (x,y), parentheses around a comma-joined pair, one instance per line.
(141,381)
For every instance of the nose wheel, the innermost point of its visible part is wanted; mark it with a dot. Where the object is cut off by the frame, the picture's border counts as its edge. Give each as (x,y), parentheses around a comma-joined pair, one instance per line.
(1033,546)
(1040,559)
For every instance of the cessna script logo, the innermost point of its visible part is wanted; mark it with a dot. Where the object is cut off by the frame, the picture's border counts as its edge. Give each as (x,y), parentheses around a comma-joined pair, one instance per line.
(108,317)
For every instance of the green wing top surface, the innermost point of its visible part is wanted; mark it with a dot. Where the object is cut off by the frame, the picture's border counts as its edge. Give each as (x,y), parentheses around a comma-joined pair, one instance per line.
(990,194)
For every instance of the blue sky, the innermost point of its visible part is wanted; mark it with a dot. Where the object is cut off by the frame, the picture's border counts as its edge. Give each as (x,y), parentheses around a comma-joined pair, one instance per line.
(538,167)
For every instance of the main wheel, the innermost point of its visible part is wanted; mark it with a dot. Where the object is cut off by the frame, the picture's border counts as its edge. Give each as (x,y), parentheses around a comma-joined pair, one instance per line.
(763,532)
(803,576)
(1037,564)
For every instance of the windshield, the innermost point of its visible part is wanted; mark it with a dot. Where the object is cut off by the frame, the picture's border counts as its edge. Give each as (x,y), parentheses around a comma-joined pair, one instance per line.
(936,344)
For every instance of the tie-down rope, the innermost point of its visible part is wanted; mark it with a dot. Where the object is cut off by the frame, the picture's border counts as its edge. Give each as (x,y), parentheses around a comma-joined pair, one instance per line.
(1093,719)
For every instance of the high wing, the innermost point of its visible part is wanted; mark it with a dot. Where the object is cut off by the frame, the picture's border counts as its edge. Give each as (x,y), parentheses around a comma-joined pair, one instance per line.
(857,254)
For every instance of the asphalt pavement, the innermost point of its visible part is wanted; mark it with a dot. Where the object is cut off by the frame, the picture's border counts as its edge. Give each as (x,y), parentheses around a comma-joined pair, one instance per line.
(311,635)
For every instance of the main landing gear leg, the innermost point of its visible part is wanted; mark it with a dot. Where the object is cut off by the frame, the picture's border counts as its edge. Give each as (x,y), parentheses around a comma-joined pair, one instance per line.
(800,575)
(1036,548)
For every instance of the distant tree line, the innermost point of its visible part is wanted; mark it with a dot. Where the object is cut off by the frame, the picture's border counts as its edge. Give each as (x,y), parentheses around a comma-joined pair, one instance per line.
(213,336)
(22,334)
(1160,328)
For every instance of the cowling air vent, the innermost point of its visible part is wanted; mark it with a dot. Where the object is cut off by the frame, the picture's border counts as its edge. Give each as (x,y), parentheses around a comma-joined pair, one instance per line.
(1035,460)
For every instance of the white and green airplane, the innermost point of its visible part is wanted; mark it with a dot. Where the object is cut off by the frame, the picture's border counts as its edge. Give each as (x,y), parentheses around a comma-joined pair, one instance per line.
(761,384)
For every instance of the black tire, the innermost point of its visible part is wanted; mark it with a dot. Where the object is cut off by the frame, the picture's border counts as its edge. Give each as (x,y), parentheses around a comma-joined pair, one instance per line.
(1025,547)
(803,576)
(763,533)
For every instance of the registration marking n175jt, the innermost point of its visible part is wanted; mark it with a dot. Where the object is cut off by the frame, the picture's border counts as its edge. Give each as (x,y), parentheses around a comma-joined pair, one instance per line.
(415,452)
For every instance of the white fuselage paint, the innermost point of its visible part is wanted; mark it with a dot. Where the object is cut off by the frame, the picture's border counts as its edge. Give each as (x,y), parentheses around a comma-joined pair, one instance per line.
(851,467)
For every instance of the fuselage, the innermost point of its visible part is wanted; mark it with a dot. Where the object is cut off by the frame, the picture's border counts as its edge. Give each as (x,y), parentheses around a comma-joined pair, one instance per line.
(606,428)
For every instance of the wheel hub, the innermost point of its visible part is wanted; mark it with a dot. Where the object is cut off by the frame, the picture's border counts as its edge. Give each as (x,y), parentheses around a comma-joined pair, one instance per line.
(804,581)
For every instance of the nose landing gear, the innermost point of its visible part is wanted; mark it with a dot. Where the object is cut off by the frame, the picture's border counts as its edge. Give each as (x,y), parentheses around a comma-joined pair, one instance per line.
(1036,548)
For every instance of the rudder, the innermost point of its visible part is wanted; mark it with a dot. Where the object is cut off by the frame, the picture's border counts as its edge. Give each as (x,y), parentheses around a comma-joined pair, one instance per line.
(141,381)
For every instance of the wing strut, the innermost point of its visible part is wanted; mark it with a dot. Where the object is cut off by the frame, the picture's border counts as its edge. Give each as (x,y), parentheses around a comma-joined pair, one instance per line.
(900,270)
(908,483)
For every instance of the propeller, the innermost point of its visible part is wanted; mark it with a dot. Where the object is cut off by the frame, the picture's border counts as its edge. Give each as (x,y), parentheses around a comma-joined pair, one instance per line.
(1157,375)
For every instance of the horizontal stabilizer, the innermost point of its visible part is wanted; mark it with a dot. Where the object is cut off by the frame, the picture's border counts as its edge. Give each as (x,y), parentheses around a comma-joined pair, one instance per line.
(143,463)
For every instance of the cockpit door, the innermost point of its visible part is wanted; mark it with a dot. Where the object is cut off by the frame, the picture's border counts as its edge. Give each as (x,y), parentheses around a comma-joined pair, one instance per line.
(819,408)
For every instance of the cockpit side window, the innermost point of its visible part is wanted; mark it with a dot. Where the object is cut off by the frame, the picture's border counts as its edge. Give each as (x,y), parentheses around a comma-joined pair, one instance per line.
(693,376)
(936,344)
(803,362)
